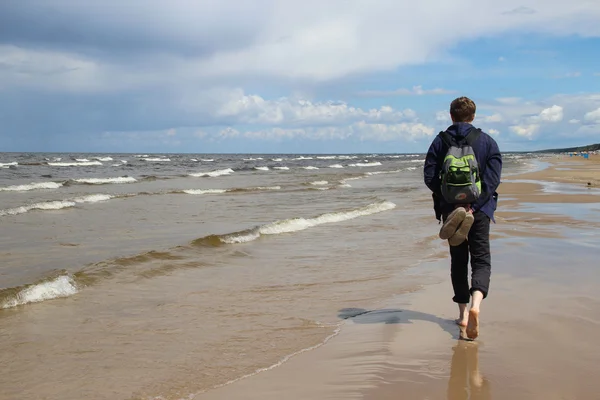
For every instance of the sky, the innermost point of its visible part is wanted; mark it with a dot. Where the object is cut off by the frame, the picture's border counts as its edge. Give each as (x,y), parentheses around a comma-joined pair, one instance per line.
(290,76)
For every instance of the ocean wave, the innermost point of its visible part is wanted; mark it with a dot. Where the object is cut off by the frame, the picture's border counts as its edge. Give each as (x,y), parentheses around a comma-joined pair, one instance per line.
(103,159)
(368,164)
(220,191)
(310,167)
(74,164)
(336,166)
(10,164)
(262,168)
(293,225)
(282,168)
(61,286)
(155,159)
(204,191)
(213,174)
(319,183)
(56,205)
(101,181)
(31,186)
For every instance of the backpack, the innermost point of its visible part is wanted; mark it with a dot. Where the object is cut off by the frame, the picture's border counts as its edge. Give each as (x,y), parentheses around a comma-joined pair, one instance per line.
(460,177)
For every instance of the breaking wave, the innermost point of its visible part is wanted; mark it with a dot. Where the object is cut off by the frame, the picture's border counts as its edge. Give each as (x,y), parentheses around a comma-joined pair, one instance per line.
(74,164)
(101,181)
(213,174)
(56,205)
(61,286)
(31,186)
(293,225)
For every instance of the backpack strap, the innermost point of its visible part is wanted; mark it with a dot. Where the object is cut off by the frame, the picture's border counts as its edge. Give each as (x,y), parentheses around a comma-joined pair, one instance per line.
(472,136)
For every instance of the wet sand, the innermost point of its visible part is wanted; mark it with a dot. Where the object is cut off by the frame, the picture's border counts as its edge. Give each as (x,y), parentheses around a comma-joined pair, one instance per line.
(539,326)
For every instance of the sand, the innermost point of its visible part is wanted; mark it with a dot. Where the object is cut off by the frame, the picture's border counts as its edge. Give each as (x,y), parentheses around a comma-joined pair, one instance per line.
(539,326)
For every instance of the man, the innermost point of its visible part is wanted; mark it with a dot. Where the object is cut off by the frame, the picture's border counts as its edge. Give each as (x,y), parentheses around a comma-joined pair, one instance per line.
(489,160)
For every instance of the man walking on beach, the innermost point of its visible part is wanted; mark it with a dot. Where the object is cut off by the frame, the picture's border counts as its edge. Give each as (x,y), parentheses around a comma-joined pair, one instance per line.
(477,245)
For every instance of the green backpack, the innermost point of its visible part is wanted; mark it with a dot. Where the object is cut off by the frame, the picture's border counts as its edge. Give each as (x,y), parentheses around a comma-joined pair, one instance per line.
(460,178)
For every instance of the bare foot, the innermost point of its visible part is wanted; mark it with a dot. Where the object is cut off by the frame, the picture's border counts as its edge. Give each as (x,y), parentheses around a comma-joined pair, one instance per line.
(473,324)
(462,321)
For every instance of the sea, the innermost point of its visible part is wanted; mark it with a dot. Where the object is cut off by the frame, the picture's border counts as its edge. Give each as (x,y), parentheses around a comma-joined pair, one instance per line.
(162,276)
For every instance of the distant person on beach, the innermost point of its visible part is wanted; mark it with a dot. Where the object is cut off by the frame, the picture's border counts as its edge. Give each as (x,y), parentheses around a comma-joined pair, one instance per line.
(477,243)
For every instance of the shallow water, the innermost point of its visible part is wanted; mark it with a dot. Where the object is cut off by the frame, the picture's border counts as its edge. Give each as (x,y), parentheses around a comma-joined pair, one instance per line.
(175,282)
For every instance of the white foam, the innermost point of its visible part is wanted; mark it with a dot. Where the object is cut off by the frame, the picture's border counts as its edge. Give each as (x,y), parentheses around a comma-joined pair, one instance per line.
(157,159)
(63,286)
(93,198)
(14,163)
(299,224)
(367,164)
(336,166)
(74,164)
(193,159)
(282,168)
(417,161)
(267,187)
(31,186)
(319,183)
(310,167)
(207,160)
(277,159)
(82,160)
(303,158)
(213,174)
(100,181)
(262,168)
(326,157)
(103,158)
(204,191)
(56,205)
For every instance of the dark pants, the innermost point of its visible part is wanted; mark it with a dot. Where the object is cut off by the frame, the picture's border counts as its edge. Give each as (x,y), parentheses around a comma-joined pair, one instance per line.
(478,247)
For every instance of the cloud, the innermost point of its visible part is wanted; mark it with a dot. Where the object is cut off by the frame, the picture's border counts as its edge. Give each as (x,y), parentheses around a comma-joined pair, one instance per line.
(310,40)
(240,108)
(501,59)
(522,10)
(593,117)
(416,90)
(358,131)
(494,132)
(551,114)
(574,121)
(527,131)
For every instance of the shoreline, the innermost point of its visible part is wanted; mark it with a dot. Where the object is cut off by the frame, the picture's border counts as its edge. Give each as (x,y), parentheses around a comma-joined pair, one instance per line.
(405,329)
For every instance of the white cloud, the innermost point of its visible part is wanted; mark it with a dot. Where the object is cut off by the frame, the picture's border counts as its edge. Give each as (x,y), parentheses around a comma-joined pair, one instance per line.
(443,116)
(552,114)
(493,118)
(494,132)
(360,131)
(593,116)
(574,121)
(527,131)
(416,90)
(253,109)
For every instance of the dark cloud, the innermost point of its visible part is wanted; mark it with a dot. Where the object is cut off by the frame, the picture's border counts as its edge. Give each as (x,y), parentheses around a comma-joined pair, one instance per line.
(132,27)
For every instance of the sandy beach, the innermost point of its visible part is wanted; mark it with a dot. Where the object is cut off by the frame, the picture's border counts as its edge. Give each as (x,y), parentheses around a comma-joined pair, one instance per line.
(538,326)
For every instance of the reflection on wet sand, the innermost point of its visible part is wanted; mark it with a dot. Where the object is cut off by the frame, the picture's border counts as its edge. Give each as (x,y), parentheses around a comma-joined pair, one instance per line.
(466,381)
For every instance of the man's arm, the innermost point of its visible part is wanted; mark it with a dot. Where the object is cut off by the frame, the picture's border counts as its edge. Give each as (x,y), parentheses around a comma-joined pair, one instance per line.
(431,168)
(491,176)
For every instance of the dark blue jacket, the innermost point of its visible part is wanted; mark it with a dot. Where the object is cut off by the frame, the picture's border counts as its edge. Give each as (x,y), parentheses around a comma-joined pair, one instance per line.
(489,159)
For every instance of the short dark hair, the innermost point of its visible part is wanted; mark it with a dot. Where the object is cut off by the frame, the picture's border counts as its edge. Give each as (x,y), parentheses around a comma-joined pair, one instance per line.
(463,109)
